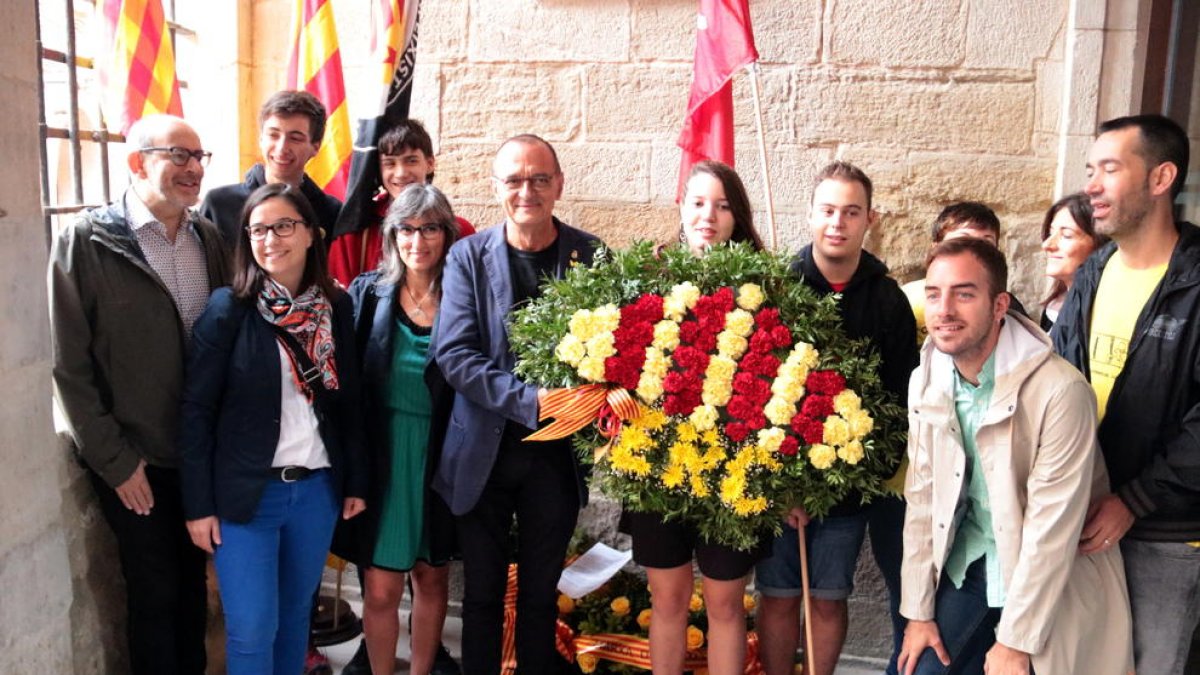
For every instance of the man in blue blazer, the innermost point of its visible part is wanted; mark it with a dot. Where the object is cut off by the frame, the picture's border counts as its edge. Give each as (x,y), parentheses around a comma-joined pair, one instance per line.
(487,473)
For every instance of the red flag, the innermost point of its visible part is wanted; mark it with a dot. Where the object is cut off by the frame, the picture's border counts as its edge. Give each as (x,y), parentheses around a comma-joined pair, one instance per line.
(316,66)
(724,43)
(137,63)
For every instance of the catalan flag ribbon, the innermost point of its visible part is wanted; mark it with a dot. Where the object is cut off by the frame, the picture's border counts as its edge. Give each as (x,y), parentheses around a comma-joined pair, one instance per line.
(137,64)
(316,67)
(394,51)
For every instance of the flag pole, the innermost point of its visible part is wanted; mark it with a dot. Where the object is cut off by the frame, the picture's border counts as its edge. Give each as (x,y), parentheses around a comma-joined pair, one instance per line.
(762,153)
(809,647)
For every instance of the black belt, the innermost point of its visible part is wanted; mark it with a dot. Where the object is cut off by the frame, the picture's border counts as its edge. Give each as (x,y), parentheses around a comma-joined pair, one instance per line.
(291,474)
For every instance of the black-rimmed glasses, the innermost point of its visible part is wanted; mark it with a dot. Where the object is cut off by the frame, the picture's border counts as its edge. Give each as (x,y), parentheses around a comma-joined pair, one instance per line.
(180,156)
(284,227)
(428,231)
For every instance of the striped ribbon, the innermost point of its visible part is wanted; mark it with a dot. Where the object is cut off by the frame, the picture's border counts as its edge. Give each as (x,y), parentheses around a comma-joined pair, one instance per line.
(573,409)
(632,650)
(508,645)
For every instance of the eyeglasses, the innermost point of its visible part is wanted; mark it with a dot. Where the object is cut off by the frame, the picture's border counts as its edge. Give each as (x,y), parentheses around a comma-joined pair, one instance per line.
(538,181)
(284,227)
(180,156)
(427,231)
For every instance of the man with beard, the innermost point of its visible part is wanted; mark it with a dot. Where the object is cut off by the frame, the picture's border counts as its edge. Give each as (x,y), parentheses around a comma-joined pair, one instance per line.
(1130,324)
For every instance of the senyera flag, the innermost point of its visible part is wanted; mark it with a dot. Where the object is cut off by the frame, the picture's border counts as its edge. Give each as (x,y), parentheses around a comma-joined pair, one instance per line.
(137,63)
(724,43)
(394,50)
(316,67)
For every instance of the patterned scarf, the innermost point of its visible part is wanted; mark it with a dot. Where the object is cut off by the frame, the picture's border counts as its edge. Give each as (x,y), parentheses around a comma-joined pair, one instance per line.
(308,318)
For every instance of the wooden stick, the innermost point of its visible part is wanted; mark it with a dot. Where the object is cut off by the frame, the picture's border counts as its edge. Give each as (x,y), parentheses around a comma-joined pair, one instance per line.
(762,154)
(810,660)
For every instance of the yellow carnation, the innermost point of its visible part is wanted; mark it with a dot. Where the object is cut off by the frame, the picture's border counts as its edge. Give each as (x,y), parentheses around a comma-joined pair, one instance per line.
(739,322)
(591,369)
(657,363)
(649,388)
(797,372)
(837,431)
(716,393)
(703,418)
(770,439)
(602,345)
(643,618)
(846,402)
(619,605)
(804,354)
(730,345)
(587,662)
(696,603)
(750,296)
(779,411)
(861,423)
(674,308)
(583,325)
(570,350)
(720,368)
(688,292)
(851,453)
(821,456)
(666,335)
(607,317)
(695,638)
(565,604)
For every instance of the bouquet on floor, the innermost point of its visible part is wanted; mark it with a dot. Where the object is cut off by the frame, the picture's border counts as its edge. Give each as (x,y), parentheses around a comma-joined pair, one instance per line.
(716,389)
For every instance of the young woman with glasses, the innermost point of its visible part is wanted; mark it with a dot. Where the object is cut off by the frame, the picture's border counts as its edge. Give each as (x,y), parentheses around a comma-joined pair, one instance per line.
(271,431)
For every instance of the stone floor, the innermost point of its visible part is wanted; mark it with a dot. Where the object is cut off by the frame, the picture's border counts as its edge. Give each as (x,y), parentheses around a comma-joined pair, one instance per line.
(341,653)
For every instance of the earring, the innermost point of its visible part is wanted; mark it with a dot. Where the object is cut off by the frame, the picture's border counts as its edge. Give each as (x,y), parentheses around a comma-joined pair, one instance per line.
(682,234)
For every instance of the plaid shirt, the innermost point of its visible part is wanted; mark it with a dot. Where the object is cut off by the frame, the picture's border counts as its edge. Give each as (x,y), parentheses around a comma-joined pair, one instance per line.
(181,265)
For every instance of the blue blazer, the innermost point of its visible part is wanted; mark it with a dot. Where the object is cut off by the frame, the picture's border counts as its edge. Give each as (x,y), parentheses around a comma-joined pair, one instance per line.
(229,421)
(470,346)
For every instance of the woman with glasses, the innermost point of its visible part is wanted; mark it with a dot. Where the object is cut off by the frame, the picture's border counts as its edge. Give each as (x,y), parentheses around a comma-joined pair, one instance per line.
(715,210)
(411,532)
(271,430)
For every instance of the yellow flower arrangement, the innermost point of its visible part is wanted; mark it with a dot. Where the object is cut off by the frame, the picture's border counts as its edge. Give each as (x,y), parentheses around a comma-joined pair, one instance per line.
(851,453)
(750,296)
(666,335)
(837,431)
(821,456)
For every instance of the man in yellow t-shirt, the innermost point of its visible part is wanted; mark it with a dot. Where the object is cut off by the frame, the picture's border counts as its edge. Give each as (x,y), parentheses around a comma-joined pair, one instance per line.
(1131,323)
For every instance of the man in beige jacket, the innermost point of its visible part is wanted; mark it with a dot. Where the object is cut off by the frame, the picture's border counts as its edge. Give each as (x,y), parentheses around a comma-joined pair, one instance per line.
(1003,463)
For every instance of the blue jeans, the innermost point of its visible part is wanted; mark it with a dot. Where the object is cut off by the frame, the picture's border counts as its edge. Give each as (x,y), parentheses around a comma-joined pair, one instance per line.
(1164,595)
(267,569)
(966,624)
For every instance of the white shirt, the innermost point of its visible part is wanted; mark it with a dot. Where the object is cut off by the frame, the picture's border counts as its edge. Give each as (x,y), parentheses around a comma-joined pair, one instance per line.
(300,441)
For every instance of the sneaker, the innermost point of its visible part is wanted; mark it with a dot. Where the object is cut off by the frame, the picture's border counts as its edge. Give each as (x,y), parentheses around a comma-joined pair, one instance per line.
(315,663)
(443,663)
(359,664)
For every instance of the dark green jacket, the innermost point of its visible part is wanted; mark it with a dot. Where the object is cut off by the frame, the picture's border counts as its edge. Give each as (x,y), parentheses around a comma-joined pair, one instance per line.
(118,343)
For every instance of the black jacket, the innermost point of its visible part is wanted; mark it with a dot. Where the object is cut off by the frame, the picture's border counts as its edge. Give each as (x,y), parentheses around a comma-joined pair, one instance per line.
(374,321)
(1150,434)
(223,205)
(872,307)
(229,420)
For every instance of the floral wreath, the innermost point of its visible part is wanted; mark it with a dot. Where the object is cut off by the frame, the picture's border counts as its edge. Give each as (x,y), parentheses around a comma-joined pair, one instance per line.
(717,389)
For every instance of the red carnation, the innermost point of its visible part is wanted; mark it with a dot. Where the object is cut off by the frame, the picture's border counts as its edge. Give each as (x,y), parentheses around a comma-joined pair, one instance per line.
(706,341)
(744,382)
(761,342)
(809,429)
(767,318)
(789,446)
(756,421)
(737,432)
(688,330)
(763,365)
(741,407)
(828,382)
(691,358)
(817,406)
(723,299)
(781,336)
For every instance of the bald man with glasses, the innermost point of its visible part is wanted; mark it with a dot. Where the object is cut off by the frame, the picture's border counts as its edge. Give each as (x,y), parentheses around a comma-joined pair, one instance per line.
(126,282)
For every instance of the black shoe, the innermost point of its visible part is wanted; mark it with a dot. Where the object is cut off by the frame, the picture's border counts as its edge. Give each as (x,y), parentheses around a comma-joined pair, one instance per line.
(443,663)
(359,663)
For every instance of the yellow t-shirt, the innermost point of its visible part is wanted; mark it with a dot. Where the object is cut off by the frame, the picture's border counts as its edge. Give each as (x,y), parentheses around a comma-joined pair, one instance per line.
(1122,295)
(915,292)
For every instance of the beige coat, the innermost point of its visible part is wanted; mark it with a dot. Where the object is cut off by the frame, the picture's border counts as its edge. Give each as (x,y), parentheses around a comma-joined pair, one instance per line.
(1043,467)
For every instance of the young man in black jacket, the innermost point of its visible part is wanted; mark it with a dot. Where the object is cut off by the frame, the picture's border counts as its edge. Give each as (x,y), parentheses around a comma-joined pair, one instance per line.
(1131,323)
(872,307)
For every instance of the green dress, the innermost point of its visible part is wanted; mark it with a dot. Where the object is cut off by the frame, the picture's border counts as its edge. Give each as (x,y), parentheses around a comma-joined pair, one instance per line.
(402,539)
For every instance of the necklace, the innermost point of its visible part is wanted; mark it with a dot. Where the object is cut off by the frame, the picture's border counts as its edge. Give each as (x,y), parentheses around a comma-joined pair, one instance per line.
(417,303)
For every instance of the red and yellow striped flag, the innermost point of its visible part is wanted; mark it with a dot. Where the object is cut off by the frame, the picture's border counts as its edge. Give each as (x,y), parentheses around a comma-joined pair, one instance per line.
(316,66)
(137,65)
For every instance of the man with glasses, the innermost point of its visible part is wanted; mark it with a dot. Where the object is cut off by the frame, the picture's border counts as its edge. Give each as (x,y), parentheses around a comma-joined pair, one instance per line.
(126,282)
(291,125)
(488,474)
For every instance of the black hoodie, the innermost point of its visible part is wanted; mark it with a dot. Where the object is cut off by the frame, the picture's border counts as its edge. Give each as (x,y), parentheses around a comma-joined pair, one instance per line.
(223,205)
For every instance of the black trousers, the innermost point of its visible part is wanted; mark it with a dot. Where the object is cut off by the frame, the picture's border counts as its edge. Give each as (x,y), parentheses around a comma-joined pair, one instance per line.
(164,578)
(535,482)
